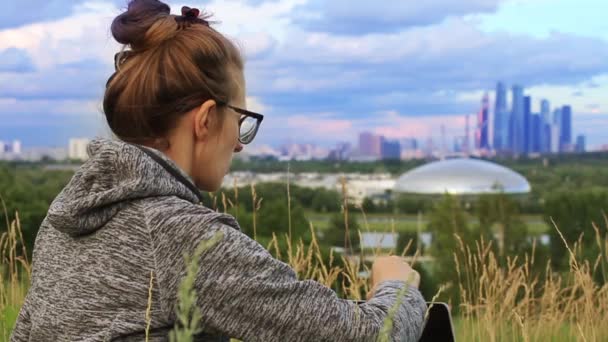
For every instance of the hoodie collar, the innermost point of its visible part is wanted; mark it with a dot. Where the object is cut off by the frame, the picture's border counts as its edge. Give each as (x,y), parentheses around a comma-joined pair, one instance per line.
(115,173)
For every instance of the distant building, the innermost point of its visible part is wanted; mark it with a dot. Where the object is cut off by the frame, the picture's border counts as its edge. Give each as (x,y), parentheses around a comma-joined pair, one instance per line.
(565,139)
(39,153)
(342,151)
(16,147)
(77,148)
(370,144)
(501,119)
(459,144)
(554,146)
(580,144)
(10,151)
(535,133)
(409,144)
(390,149)
(411,149)
(517,131)
(481,135)
(302,152)
(545,128)
(527,136)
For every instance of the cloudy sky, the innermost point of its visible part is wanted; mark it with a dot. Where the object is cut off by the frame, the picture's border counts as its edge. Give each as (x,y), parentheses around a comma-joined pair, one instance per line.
(321,71)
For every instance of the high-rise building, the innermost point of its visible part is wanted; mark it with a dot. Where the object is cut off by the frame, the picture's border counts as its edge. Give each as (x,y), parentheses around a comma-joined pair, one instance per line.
(517,133)
(340,152)
(390,149)
(527,144)
(501,119)
(545,130)
(465,147)
(77,148)
(557,121)
(554,146)
(481,134)
(535,133)
(557,116)
(580,144)
(8,148)
(409,144)
(459,144)
(16,147)
(369,144)
(565,139)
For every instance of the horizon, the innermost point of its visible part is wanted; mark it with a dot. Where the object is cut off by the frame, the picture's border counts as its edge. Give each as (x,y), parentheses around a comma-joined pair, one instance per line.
(329,69)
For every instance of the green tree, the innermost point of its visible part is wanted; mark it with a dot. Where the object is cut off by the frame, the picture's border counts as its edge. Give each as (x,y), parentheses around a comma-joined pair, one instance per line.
(448,220)
(325,201)
(335,235)
(273,217)
(501,212)
(403,241)
(574,213)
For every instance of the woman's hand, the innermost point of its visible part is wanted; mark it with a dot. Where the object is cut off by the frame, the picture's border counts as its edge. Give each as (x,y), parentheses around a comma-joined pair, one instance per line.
(392,268)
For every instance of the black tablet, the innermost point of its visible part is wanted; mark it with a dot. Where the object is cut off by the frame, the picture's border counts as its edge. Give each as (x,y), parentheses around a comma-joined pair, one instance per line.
(438,325)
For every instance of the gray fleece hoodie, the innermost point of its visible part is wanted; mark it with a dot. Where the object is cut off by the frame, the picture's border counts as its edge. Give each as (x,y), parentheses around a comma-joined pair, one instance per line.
(123,216)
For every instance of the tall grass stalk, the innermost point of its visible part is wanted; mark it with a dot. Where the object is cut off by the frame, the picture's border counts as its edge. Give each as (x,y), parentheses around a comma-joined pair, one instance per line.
(188,315)
(15,273)
(289,202)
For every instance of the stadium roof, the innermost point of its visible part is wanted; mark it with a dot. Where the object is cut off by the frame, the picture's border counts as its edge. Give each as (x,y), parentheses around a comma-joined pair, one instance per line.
(462,176)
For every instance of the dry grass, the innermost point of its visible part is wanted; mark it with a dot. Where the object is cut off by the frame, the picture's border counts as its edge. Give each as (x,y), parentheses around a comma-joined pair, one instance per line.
(15,273)
(498,303)
(512,304)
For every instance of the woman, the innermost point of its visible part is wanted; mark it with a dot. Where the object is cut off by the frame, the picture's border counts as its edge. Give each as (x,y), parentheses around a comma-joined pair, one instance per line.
(133,210)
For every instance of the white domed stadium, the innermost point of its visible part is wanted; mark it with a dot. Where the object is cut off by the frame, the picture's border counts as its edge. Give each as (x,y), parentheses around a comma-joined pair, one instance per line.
(462,176)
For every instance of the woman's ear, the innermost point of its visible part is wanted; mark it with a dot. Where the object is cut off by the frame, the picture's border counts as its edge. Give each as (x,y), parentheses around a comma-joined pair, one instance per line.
(203,118)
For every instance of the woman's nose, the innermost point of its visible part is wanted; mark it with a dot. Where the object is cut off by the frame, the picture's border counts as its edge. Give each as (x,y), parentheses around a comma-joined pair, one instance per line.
(238,147)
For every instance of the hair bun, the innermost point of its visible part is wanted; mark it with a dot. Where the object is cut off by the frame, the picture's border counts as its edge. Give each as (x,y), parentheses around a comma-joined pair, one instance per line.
(131,26)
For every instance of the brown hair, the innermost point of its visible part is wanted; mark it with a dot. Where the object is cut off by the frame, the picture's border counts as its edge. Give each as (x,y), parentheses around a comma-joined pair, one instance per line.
(173,65)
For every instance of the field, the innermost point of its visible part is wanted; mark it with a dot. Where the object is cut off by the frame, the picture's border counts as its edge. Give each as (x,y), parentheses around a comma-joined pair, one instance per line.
(409,223)
(497,303)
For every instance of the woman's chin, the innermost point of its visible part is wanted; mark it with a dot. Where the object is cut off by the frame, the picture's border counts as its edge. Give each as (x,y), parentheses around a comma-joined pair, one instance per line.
(210,186)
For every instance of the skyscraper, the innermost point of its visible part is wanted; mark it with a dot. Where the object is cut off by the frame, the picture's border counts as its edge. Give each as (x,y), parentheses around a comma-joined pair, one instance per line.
(535,132)
(501,119)
(528,131)
(369,144)
(545,129)
(390,149)
(565,139)
(16,147)
(517,132)
(481,134)
(554,146)
(580,144)
(77,148)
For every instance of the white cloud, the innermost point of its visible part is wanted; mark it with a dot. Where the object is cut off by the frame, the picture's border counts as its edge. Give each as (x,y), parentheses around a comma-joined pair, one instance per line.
(50,107)
(254,104)
(240,17)
(358,17)
(80,36)
(435,69)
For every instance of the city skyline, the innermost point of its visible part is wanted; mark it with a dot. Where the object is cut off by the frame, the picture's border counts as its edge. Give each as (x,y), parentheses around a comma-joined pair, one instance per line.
(324,71)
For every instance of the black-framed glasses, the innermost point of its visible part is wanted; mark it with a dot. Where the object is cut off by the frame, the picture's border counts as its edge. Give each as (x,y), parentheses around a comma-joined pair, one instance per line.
(249,123)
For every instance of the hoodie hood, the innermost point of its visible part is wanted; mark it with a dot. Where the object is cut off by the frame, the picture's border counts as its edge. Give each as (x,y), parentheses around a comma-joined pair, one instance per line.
(115,173)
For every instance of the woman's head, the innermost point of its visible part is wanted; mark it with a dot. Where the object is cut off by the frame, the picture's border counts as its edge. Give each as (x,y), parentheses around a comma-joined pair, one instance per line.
(171,88)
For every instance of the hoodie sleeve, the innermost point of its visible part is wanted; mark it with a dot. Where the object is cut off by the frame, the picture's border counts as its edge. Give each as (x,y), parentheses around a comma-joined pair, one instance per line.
(245,293)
